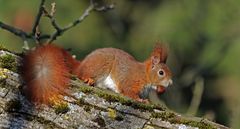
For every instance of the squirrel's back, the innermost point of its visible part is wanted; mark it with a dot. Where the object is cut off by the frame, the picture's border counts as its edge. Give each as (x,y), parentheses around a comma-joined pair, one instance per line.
(111,52)
(104,60)
(110,67)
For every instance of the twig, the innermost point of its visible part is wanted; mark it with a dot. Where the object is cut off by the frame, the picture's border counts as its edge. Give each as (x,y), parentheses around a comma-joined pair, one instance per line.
(15,31)
(59,31)
(24,35)
(51,16)
(105,8)
(80,19)
(35,34)
(197,96)
(86,13)
(53,9)
(38,17)
(25,46)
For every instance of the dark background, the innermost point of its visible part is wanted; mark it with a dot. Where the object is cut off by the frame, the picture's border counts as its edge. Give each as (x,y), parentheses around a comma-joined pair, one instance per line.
(203,36)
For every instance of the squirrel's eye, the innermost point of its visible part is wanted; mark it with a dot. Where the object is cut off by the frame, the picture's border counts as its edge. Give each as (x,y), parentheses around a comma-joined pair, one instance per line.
(161,72)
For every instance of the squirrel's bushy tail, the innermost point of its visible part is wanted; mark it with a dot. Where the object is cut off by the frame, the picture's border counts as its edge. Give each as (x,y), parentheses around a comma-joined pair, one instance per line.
(46,72)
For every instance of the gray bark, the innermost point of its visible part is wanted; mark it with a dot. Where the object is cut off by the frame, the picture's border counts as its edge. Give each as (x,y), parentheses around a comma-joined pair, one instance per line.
(84,107)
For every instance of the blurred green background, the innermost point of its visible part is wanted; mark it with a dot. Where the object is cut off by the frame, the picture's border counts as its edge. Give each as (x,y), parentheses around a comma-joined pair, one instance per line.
(203,36)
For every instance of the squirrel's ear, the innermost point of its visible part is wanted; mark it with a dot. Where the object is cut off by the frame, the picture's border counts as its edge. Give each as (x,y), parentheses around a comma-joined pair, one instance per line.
(155,60)
(160,53)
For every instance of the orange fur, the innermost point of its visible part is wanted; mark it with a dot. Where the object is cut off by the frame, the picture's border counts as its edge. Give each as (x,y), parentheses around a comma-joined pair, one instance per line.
(46,73)
(160,51)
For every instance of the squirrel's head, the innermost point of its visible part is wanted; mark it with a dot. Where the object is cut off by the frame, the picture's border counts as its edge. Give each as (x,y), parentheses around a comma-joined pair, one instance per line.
(160,76)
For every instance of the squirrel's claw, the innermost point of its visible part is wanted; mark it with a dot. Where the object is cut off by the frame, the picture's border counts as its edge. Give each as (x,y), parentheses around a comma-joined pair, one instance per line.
(143,100)
(89,81)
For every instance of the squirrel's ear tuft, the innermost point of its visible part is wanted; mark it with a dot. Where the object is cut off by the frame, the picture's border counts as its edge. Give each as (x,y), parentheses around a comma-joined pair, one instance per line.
(160,53)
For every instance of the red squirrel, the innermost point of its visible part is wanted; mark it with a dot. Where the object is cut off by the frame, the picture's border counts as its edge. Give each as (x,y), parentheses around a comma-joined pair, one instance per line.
(46,71)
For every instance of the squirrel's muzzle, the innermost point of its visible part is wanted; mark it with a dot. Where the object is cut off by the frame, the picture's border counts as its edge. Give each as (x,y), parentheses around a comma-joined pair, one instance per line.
(162,88)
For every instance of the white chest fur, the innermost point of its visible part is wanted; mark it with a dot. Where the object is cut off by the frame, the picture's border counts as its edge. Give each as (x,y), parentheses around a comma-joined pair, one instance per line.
(108,83)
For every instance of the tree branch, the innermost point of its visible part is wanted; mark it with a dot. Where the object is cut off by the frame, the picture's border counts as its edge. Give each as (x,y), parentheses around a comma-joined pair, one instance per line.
(38,17)
(197,96)
(58,30)
(86,13)
(51,16)
(16,31)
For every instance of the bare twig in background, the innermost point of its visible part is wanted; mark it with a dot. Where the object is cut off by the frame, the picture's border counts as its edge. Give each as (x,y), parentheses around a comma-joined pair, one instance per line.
(38,17)
(24,35)
(197,95)
(60,31)
(104,8)
(51,16)
(16,31)
(53,9)
(35,34)
(20,33)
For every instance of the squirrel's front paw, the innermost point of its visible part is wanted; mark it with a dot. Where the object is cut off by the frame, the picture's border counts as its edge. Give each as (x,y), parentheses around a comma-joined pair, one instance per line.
(89,81)
(143,100)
